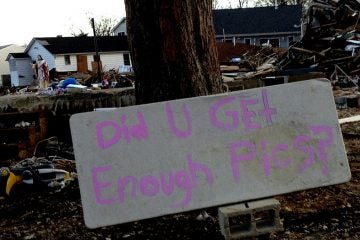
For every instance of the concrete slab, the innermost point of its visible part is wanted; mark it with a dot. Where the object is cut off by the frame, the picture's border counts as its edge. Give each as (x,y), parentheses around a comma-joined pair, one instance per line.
(151,160)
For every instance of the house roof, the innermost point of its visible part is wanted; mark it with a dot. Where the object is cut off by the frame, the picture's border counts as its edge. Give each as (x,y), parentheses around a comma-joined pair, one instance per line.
(4,46)
(65,45)
(257,20)
(18,55)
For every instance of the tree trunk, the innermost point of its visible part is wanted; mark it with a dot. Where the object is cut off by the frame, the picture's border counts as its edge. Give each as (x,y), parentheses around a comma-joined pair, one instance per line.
(173,49)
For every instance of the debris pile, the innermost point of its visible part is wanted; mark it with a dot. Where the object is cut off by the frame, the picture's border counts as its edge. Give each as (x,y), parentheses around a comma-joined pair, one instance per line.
(229,51)
(254,65)
(46,169)
(329,47)
(260,60)
(330,42)
(118,80)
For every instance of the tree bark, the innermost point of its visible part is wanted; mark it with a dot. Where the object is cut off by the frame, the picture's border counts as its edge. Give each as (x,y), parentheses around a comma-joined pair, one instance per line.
(173,49)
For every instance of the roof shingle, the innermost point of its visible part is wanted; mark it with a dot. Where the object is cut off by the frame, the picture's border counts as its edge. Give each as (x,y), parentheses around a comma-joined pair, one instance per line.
(64,45)
(19,55)
(257,20)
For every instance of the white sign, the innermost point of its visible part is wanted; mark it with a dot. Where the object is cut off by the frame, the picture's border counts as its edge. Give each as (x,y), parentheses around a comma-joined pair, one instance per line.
(151,160)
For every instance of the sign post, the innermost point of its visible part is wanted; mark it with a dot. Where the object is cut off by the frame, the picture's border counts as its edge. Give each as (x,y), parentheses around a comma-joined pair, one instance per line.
(151,160)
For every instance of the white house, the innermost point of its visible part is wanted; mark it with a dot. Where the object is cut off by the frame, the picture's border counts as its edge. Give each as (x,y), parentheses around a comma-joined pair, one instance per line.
(4,66)
(72,54)
(120,28)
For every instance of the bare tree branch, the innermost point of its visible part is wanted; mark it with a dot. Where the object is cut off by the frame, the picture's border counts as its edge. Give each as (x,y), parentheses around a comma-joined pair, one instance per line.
(243,3)
(104,26)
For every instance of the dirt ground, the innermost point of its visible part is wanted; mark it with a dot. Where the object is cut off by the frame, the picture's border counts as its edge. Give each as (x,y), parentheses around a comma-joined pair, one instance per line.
(323,213)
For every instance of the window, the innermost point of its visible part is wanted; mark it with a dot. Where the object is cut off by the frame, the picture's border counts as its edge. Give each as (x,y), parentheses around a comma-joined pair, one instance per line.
(219,39)
(238,40)
(126,59)
(247,41)
(67,60)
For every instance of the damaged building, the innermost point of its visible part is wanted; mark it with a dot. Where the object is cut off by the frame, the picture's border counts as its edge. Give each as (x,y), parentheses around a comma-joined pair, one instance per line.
(69,54)
(278,26)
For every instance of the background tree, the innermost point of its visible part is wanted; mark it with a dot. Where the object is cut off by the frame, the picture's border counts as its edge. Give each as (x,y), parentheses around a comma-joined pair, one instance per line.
(264,3)
(104,26)
(173,49)
(243,3)
(230,3)
(268,3)
(81,33)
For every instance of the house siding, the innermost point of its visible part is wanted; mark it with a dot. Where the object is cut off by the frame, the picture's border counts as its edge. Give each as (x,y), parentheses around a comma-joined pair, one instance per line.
(12,64)
(37,49)
(108,60)
(255,40)
(4,66)
(14,78)
(25,72)
(21,72)
(62,67)
(283,42)
(121,28)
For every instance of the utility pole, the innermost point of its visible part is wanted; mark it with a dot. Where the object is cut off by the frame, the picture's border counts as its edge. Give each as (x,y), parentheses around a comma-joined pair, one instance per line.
(96,49)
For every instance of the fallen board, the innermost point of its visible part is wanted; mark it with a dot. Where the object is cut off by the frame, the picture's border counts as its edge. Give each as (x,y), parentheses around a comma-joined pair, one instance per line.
(151,160)
(350,119)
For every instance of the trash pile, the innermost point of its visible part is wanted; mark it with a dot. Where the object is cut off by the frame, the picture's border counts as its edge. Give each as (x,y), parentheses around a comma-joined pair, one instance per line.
(78,82)
(253,65)
(110,79)
(114,79)
(230,53)
(45,170)
(259,64)
(260,60)
(330,42)
(329,47)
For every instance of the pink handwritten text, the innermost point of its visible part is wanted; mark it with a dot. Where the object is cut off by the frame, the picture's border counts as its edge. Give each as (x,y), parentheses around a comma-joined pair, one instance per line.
(247,115)
(171,121)
(151,186)
(121,130)
(245,150)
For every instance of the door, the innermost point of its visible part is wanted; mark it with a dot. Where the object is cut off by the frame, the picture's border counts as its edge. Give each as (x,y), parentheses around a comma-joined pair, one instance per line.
(82,65)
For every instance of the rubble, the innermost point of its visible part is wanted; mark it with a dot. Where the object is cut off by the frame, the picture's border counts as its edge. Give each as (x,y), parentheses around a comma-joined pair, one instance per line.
(76,82)
(321,213)
(45,169)
(329,47)
(330,42)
